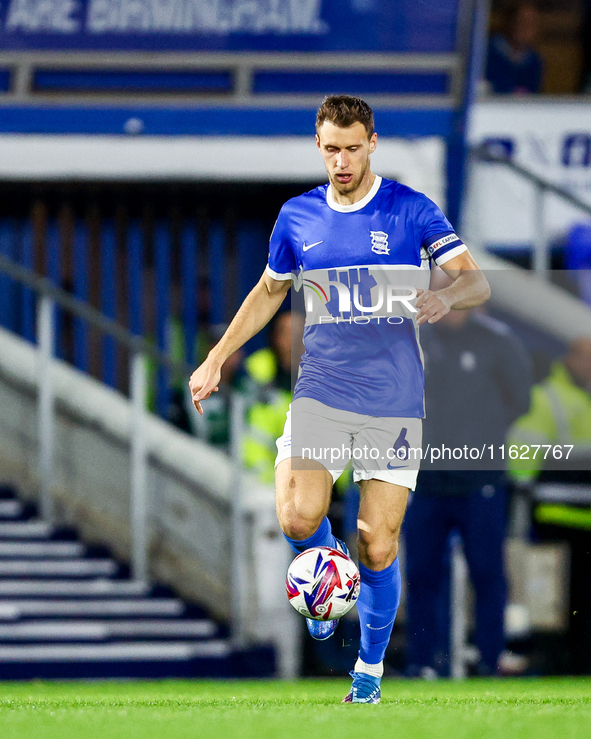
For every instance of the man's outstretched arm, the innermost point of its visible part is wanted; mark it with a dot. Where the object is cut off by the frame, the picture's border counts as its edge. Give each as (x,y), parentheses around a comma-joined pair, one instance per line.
(260,305)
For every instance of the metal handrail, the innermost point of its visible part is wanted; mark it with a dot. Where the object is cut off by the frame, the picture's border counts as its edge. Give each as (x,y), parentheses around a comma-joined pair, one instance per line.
(48,297)
(95,318)
(542,186)
(483,153)
(242,65)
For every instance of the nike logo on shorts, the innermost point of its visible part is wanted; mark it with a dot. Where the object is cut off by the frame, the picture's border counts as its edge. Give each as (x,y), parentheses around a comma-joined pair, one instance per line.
(309,246)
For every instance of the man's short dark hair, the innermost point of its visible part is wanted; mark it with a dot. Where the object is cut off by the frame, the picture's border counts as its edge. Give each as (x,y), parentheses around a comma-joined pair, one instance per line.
(344,111)
(512,10)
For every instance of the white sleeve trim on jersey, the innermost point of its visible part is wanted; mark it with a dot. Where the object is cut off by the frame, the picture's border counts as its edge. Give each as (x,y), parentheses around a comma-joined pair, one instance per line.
(277,276)
(450,254)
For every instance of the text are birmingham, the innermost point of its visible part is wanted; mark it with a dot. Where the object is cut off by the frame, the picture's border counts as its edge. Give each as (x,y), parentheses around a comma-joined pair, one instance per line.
(167,16)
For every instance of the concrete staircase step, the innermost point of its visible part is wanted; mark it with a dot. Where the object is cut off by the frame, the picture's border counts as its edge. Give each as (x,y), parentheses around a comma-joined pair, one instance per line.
(100,587)
(109,608)
(57,568)
(51,549)
(118,652)
(25,530)
(11,508)
(65,630)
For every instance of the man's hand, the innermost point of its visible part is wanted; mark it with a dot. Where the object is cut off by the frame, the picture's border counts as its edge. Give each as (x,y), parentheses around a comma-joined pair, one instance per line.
(204,381)
(432,306)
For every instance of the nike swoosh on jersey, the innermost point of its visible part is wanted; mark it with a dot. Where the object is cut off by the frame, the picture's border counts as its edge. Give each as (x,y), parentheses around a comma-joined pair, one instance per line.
(309,246)
(396,467)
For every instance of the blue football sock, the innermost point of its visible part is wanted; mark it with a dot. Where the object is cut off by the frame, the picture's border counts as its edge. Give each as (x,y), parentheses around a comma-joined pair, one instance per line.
(322,537)
(377,605)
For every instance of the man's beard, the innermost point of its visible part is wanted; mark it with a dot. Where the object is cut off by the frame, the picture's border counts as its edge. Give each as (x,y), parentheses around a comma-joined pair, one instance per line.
(350,187)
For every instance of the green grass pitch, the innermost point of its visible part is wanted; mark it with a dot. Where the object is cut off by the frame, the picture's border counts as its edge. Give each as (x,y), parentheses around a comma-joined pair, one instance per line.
(309,709)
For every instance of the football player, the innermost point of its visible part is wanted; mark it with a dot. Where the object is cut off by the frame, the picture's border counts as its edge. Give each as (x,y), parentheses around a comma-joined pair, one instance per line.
(361,248)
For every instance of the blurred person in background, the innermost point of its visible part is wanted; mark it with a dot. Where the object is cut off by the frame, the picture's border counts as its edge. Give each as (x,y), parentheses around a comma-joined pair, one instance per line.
(477,382)
(214,425)
(269,383)
(577,258)
(265,380)
(560,415)
(513,65)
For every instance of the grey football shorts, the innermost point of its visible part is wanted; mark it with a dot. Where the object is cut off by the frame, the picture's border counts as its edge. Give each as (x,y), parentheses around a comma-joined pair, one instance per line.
(381,448)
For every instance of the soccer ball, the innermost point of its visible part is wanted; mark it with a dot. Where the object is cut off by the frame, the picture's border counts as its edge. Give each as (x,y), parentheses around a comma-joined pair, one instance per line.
(322,583)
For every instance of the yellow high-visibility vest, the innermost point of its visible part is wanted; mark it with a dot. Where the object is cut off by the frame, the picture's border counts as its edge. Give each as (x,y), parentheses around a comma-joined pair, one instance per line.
(265,417)
(559,414)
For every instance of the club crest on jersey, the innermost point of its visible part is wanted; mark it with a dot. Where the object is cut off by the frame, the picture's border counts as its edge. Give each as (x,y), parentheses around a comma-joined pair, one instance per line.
(379,242)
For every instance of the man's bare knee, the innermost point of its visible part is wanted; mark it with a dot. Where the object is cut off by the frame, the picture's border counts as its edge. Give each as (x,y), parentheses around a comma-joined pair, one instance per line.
(303,498)
(298,528)
(298,519)
(377,553)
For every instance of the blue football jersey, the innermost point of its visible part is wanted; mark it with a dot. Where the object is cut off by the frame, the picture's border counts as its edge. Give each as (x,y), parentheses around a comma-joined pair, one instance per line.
(360,266)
